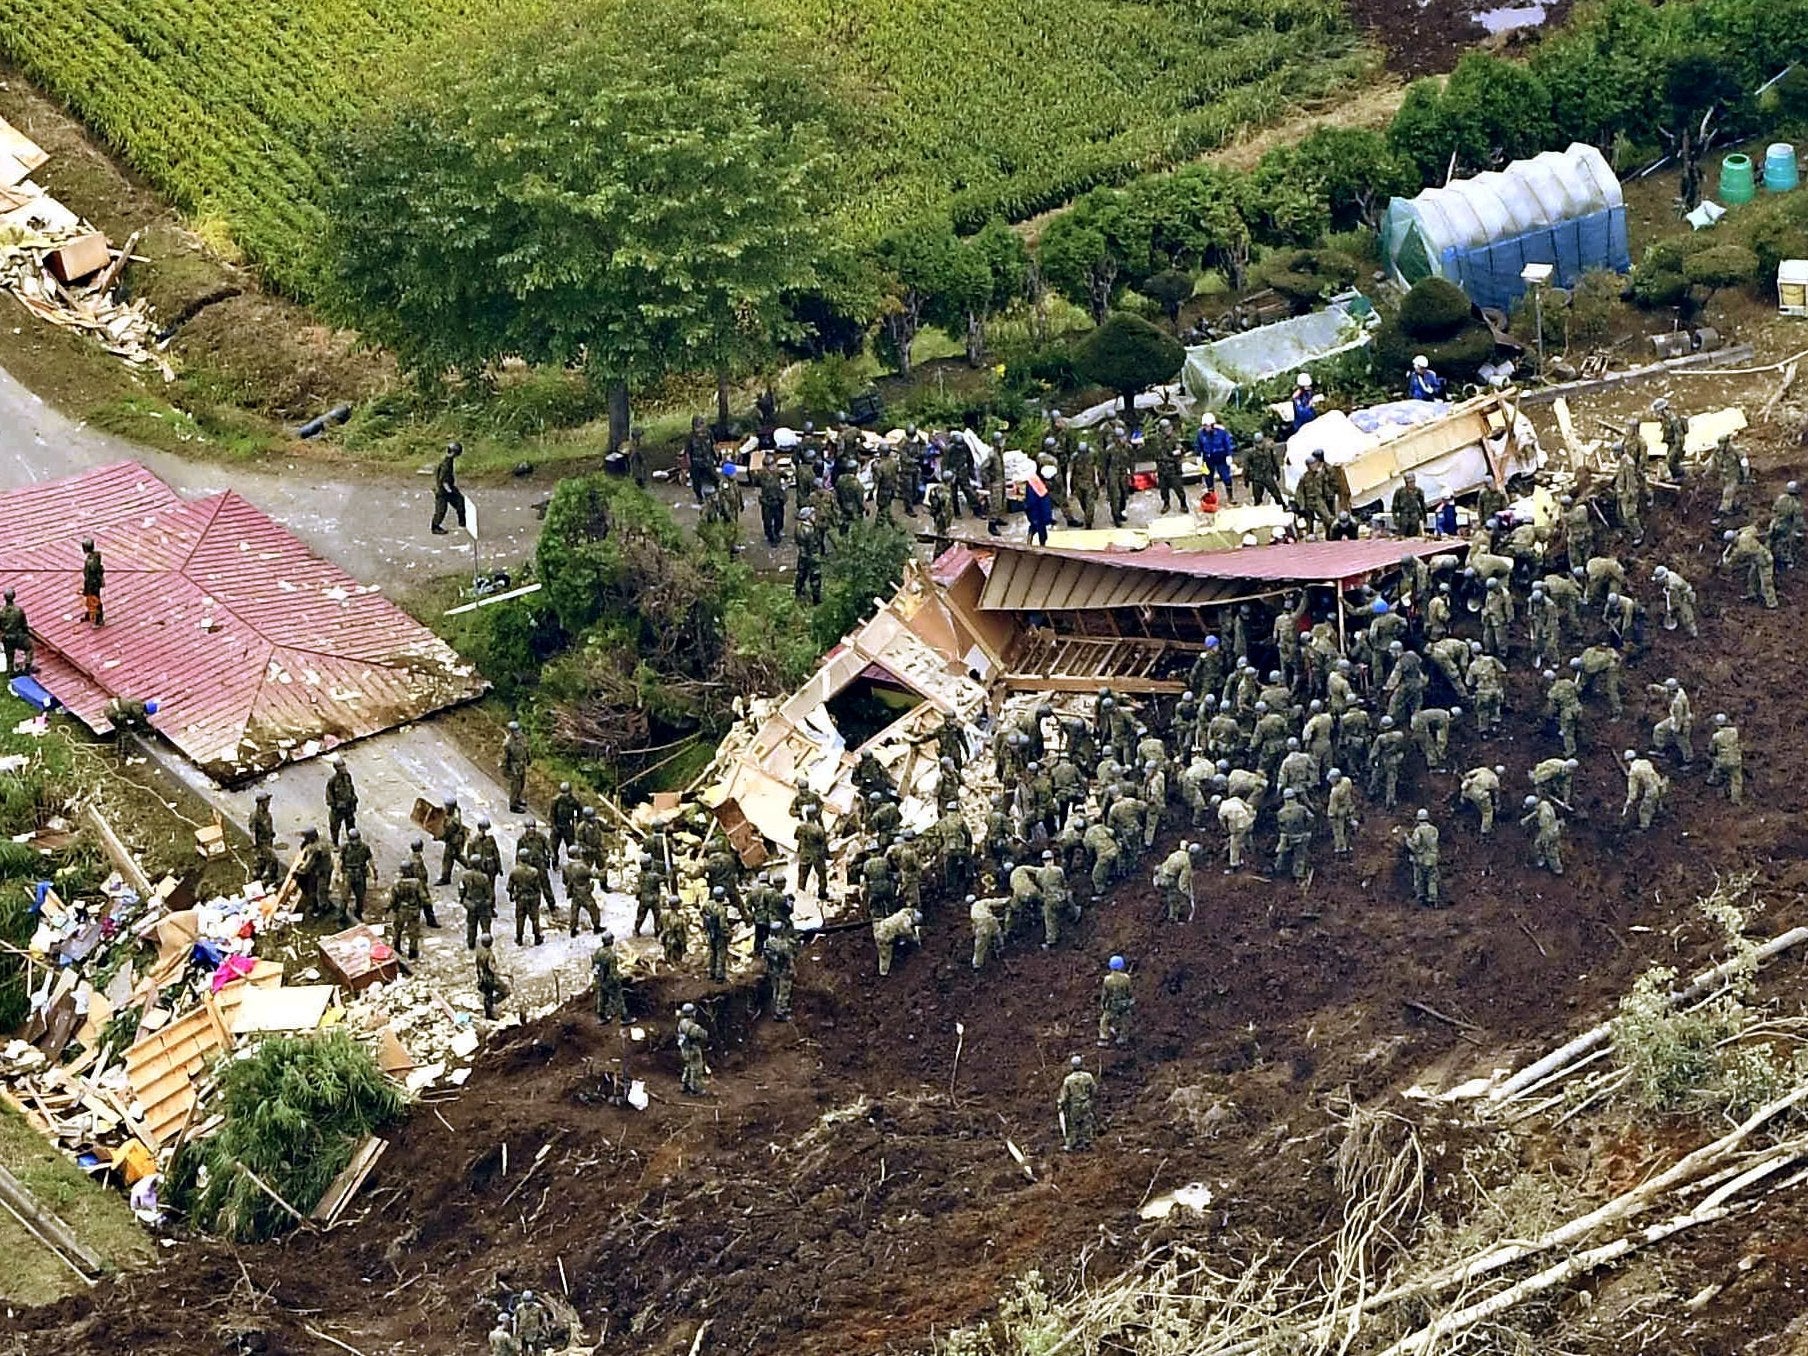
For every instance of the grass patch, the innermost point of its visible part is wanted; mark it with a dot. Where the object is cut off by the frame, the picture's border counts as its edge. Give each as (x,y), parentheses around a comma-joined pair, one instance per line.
(97,1214)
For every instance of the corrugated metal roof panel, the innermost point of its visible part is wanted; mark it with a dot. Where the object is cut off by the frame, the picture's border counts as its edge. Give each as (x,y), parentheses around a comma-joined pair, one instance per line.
(1040,578)
(257,650)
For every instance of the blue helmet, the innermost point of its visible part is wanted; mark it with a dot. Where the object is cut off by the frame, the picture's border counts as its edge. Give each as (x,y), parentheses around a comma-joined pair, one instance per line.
(1116,962)
(1211,642)
(1379,607)
(152,707)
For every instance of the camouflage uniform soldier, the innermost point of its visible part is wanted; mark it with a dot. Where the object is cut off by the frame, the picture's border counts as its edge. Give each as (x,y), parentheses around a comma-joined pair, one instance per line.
(781,967)
(515,762)
(1599,666)
(1057,900)
(356,866)
(1481,788)
(1497,617)
(1422,849)
(15,636)
(812,854)
(483,852)
(1385,760)
(341,801)
(1077,1107)
(580,891)
(489,979)
(649,892)
(1784,531)
(1730,466)
(605,974)
(1744,551)
(1488,682)
(1578,531)
(1237,819)
(565,811)
(1675,436)
(594,839)
(1554,778)
(889,931)
(808,539)
(1563,703)
(1547,833)
(1407,508)
(1628,486)
(1116,1003)
(452,839)
(717,929)
(1679,601)
(1340,809)
(1167,466)
(534,842)
(1645,789)
(264,865)
(1677,728)
(693,1050)
(995,486)
(416,866)
(1431,732)
(1292,850)
(1174,878)
(988,937)
(1726,761)
(674,931)
(1262,469)
(1101,842)
(524,894)
(313,871)
(1083,482)
(406,897)
(477,893)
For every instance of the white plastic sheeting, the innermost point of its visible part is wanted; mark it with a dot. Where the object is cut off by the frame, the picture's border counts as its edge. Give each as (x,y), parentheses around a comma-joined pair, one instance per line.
(1215,373)
(1447,448)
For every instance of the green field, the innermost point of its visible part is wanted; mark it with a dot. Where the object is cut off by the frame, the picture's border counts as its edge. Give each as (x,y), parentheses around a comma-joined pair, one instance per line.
(983,106)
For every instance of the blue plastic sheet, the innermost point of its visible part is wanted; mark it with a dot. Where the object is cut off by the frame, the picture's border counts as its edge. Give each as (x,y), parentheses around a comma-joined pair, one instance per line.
(1490,273)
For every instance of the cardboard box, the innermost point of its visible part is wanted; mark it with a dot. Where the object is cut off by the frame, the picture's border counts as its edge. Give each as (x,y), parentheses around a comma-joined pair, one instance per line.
(76,259)
(346,957)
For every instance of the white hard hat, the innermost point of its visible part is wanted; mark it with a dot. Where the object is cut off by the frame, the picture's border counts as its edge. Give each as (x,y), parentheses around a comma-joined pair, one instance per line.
(1208,419)
(1421,362)
(1304,379)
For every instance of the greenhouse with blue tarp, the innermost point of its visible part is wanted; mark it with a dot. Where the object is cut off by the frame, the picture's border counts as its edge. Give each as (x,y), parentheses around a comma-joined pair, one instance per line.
(1562,208)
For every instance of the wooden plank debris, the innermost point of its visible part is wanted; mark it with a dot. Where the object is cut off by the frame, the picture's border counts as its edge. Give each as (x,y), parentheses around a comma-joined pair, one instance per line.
(341,1189)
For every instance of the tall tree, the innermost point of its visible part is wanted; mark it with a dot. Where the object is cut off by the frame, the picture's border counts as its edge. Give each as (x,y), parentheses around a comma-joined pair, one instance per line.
(631,188)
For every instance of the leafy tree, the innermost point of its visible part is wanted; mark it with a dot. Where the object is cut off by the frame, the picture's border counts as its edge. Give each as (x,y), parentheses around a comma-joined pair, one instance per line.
(293,1111)
(1007,264)
(1500,109)
(633,188)
(928,271)
(1421,134)
(1698,86)
(867,563)
(1353,169)
(1082,252)
(1195,218)
(1128,355)
(1170,289)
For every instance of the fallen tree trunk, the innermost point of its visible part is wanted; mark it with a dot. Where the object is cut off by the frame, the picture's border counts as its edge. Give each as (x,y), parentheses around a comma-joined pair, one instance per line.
(1589,1040)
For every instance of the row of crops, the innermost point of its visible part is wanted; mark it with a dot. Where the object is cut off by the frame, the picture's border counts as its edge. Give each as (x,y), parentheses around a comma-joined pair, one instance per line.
(985,105)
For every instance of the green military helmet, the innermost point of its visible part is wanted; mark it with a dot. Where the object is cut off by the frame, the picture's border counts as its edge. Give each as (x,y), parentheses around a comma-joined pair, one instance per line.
(352,835)
(1423,816)
(1076,1063)
(416,845)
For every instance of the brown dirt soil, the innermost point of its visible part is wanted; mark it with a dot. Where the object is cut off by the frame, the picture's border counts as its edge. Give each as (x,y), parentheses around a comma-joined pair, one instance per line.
(1428,37)
(792,1229)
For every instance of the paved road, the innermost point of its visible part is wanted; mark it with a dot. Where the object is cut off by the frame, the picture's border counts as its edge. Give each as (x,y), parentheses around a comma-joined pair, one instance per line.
(374,525)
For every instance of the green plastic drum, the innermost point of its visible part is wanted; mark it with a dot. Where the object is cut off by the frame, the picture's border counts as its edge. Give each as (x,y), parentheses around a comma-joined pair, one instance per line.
(1736,183)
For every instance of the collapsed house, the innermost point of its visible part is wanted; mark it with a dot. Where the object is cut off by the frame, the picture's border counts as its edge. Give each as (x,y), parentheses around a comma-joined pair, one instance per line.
(988,622)
(257,651)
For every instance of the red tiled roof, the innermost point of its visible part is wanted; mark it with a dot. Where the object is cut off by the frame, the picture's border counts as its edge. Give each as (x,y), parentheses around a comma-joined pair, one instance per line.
(257,650)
